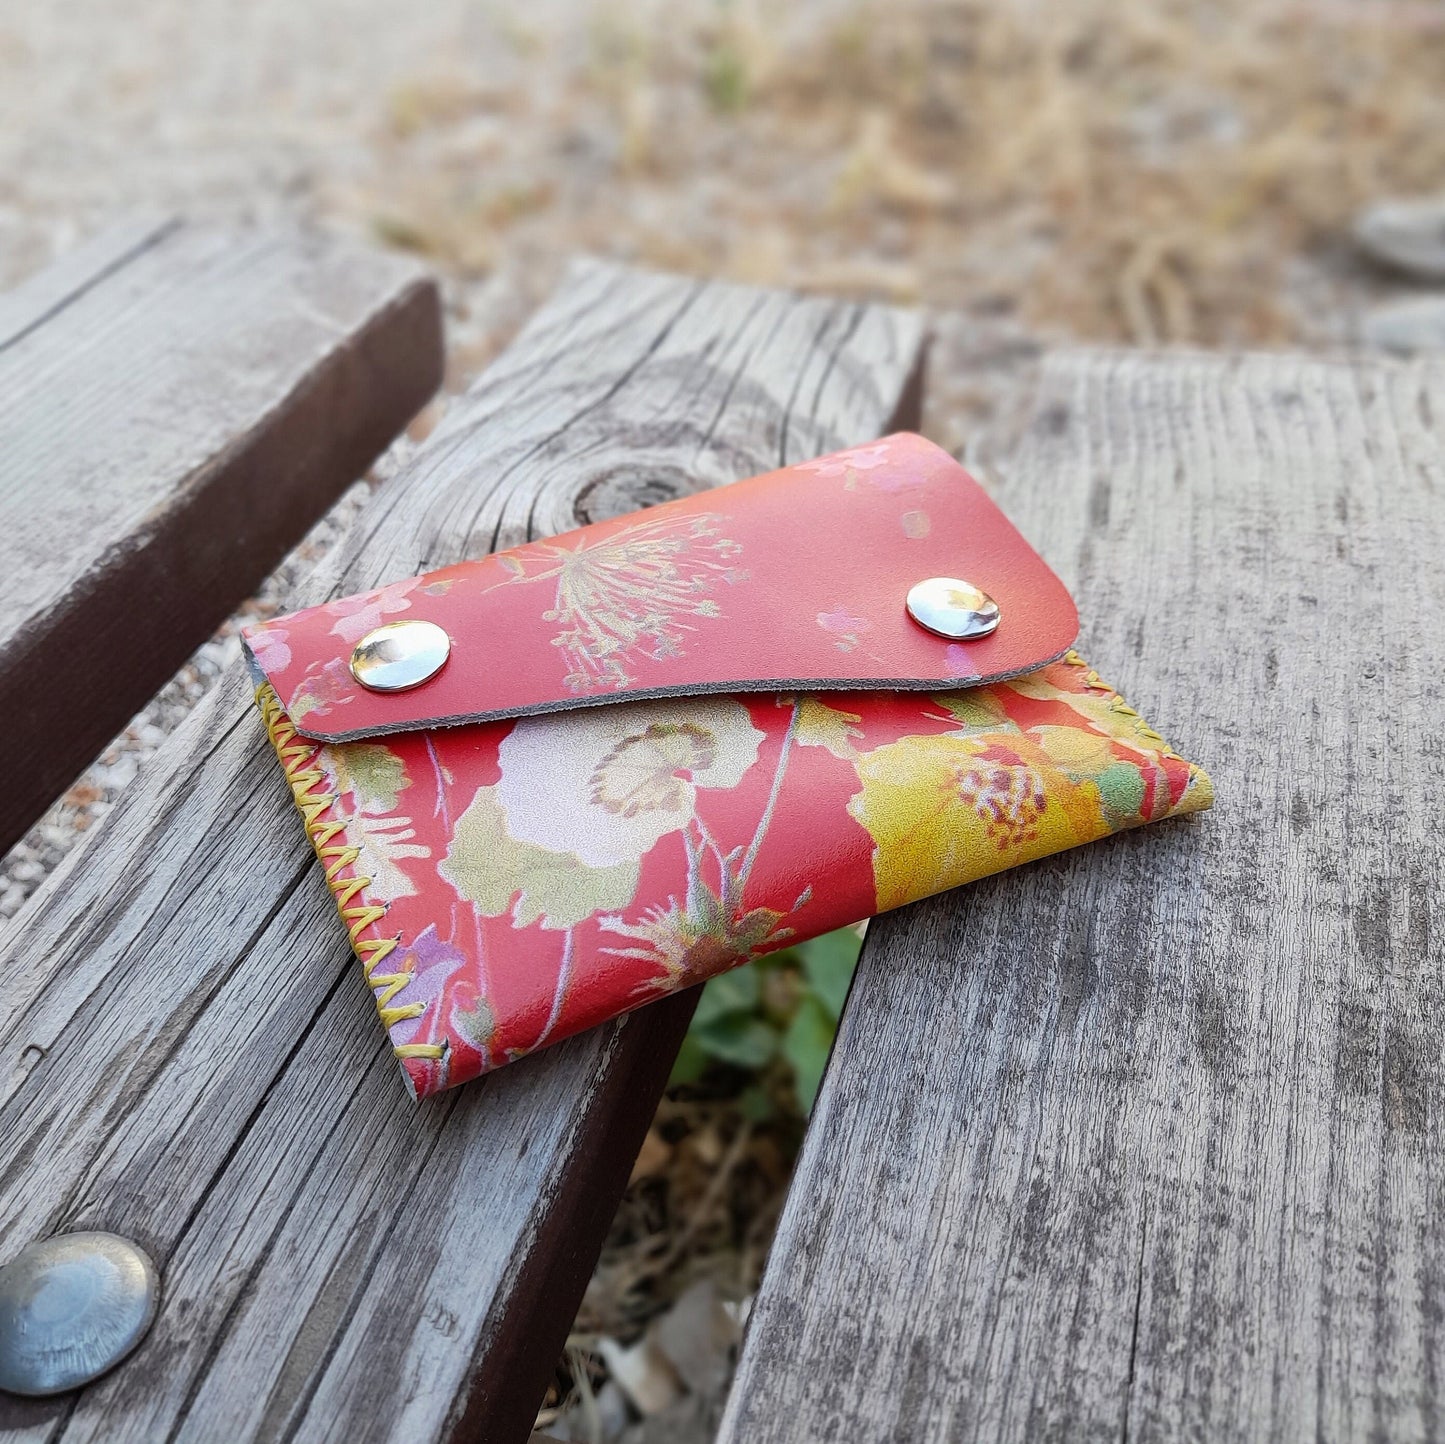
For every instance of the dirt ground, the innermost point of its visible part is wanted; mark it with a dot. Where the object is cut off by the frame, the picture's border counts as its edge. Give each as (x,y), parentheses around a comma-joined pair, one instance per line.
(1117,169)
(1110,170)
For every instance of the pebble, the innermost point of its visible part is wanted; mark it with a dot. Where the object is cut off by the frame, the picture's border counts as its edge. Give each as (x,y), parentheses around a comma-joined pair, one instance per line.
(1407,327)
(1405,235)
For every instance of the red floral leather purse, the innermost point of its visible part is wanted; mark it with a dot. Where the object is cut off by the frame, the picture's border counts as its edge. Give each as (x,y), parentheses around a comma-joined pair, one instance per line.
(553,784)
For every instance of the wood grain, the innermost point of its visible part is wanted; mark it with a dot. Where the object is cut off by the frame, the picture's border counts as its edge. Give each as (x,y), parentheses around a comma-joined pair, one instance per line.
(1147,1141)
(180,405)
(192,1059)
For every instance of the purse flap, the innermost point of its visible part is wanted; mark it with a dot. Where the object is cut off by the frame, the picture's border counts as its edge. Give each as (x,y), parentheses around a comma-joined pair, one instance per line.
(796,580)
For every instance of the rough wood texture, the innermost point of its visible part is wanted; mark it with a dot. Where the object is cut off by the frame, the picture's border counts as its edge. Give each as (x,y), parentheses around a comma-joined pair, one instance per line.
(1145,1142)
(192,1059)
(180,405)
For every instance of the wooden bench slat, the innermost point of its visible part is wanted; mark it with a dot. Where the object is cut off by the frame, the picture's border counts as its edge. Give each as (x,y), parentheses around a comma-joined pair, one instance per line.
(1145,1141)
(180,405)
(35,299)
(191,1058)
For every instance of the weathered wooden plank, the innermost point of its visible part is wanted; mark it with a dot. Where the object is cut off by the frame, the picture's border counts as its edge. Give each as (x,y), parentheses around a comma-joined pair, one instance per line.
(1145,1142)
(180,405)
(190,1057)
(69,276)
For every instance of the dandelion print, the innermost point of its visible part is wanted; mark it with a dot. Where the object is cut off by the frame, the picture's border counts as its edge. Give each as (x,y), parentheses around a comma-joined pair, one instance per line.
(637,592)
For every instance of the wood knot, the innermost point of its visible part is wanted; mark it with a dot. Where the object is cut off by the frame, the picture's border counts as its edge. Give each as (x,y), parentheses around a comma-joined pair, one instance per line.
(630,487)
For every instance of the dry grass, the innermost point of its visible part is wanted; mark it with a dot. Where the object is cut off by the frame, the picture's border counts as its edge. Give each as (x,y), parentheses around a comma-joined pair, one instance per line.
(1117,169)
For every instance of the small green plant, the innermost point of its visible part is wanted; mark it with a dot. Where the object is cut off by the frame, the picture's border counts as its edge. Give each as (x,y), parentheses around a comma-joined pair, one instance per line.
(726,78)
(776,1015)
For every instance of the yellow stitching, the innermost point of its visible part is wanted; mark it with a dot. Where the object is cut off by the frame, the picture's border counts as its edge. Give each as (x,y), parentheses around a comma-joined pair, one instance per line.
(1116,703)
(292,750)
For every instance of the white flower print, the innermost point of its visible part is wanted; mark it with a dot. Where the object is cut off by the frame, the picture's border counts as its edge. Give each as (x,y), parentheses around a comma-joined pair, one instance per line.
(606,784)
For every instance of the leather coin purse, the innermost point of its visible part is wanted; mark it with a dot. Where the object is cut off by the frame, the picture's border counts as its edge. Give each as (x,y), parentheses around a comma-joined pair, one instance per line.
(555,783)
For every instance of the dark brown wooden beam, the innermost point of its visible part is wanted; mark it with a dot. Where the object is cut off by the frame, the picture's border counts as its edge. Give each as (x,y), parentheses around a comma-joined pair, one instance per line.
(180,405)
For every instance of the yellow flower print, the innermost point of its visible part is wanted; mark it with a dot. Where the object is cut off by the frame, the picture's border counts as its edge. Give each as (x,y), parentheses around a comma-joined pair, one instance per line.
(943,810)
(1074,749)
(1099,705)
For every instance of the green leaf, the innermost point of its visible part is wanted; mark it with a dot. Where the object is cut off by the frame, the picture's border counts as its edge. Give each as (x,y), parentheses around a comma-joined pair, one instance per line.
(742,1041)
(1122,789)
(502,875)
(690,1064)
(725,995)
(755,1103)
(976,708)
(375,774)
(828,964)
(806,1046)
(779,960)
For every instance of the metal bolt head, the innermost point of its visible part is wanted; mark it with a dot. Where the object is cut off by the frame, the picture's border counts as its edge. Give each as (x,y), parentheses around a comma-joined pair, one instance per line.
(400,655)
(952,608)
(72,1307)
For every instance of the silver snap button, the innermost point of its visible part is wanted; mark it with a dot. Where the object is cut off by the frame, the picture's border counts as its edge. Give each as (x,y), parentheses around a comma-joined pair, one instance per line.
(952,608)
(72,1307)
(400,655)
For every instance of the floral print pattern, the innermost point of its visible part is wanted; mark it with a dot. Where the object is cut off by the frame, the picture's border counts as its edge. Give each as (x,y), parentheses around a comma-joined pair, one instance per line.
(587,806)
(632,593)
(609,783)
(745,587)
(540,876)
